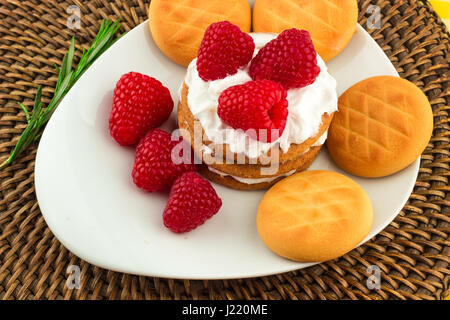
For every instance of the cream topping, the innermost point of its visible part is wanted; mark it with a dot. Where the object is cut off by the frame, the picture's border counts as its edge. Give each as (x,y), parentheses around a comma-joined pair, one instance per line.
(306,107)
(321,140)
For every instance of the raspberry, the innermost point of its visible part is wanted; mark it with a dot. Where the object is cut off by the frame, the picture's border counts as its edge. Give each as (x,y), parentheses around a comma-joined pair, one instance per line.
(223,50)
(192,201)
(140,103)
(290,59)
(153,168)
(260,105)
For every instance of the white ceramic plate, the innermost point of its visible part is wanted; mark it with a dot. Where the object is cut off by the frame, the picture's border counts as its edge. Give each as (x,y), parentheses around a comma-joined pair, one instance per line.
(89,201)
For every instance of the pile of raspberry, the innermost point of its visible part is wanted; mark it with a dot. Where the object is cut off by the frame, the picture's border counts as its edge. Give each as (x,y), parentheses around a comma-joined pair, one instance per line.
(140,105)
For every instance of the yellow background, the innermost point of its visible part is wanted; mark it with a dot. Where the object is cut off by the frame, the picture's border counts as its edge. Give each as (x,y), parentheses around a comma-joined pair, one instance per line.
(442,8)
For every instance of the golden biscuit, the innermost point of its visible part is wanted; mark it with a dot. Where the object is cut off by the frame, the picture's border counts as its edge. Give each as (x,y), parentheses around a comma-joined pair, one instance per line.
(314,216)
(384,123)
(177,26)
(331,23)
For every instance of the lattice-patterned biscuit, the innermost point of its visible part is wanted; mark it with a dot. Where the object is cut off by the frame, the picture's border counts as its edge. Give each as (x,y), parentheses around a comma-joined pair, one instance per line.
(177,26)
(331,23)
(384,123)
(314,216)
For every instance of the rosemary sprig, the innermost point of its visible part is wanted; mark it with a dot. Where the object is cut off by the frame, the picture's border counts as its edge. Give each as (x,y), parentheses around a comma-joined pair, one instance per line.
(67,76)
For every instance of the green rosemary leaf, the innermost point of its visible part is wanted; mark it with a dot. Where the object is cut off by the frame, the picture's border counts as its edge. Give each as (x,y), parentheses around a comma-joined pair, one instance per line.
(101,43)
(37,105)
(70,54)
(37,137)
(62,72)
(111,43)
(25,110)
(23,141)
(64,87)
(67,76)
(102,40)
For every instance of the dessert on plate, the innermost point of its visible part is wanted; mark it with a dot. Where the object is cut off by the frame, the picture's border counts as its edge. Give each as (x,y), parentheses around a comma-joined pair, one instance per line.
(217,127)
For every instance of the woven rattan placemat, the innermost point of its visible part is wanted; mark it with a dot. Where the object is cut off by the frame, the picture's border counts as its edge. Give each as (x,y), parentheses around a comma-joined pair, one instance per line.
(412,252)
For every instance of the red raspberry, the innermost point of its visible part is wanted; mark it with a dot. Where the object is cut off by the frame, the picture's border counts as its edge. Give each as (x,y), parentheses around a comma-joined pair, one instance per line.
(259,105)
(192,201)
(140,103)
(153,168)
(290,59)
(223,50)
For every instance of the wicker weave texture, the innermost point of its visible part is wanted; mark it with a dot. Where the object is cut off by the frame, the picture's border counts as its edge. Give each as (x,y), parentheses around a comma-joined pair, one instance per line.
(413,252)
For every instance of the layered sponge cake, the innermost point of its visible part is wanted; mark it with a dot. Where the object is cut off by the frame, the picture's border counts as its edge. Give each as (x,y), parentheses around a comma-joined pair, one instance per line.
(302,111)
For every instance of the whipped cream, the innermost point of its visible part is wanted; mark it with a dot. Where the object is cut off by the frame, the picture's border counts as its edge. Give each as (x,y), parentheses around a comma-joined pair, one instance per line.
(306,107)
(321,140)
(252,180)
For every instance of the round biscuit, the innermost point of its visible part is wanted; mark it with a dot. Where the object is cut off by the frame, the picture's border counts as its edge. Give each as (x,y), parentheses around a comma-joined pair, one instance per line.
(331,23)
(314,216)
(383,125)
